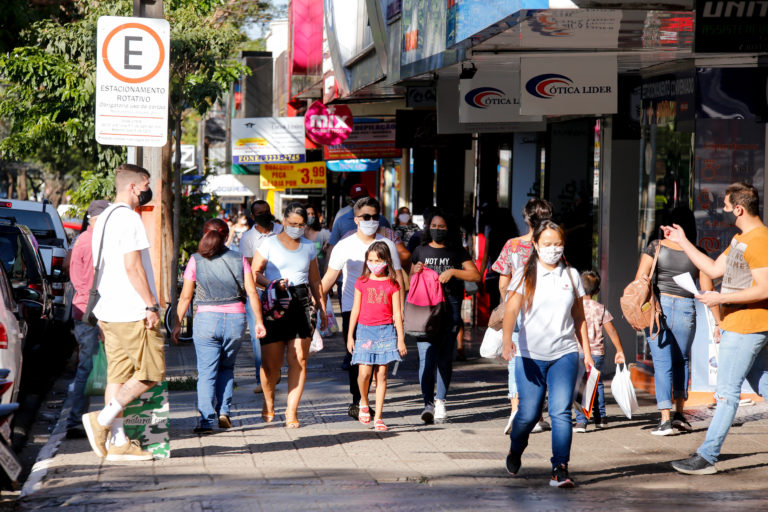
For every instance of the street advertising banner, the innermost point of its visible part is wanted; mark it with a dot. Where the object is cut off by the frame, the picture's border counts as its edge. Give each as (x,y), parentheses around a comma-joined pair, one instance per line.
(146,419)
(568,85)
(492,96)
(731,27)
(576,28)
(283,176)
(260,140)
(466,18)
(328,125)
(367,140)
(132,81)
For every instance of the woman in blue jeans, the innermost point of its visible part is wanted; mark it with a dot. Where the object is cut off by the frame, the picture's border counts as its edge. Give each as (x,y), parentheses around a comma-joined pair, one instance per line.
(220,280)
(548,297)
(670,344)
(441,251)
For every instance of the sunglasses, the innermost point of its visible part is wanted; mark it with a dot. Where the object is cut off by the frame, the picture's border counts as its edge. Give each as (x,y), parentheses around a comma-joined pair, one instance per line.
(368,216)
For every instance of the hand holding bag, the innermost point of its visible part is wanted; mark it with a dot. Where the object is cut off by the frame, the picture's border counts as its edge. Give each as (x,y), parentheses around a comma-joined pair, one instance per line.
(492,343)
(97,379)
(425,305)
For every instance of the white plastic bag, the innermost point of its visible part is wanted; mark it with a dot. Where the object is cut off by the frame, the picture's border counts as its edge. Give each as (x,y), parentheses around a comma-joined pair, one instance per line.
(623,391)
(316,345)
(492,343)
(713,350)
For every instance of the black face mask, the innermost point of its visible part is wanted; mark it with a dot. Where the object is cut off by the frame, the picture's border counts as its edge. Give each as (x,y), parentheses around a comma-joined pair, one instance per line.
(438,235)
(263,220)
(145,196)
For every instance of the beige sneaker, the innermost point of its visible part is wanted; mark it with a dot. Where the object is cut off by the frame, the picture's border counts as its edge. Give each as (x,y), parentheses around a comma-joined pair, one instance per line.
(97,434)
(129,451)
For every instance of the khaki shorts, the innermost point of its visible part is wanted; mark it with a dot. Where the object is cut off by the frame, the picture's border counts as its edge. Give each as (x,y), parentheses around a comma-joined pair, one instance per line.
(133,351)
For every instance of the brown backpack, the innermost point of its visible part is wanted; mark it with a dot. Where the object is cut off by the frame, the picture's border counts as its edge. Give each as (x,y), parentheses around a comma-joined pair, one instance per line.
(638,302)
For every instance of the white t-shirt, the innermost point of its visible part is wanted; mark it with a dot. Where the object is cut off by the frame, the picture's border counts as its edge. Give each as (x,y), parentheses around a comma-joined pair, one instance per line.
(286,264)
(252,239)
(120,302)
(547,329)
(349,255)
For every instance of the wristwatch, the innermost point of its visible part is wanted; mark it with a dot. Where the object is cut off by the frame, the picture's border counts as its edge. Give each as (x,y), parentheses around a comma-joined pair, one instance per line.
(155,308)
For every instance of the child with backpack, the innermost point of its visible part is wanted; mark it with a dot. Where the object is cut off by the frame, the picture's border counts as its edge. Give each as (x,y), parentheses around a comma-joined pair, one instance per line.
(597,318)
(380,336)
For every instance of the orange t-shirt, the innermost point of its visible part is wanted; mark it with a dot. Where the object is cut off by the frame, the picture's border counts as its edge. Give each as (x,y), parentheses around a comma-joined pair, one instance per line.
(747,251)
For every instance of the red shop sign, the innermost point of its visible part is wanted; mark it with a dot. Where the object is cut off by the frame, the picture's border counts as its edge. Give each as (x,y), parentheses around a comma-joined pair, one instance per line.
(328,125)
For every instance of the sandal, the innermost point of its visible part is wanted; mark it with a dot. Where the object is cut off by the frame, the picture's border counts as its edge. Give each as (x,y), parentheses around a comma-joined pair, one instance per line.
(266,416)
(365,415)
(379,426)
(292,424)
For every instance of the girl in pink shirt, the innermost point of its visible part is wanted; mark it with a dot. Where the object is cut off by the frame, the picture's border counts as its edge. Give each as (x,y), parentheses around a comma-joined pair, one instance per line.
(380,339)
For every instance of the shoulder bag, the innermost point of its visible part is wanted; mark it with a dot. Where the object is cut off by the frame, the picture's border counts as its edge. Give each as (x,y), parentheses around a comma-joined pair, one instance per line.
(638,302)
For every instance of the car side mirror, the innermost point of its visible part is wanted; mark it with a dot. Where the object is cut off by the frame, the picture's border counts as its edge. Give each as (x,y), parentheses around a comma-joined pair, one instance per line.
(27,294)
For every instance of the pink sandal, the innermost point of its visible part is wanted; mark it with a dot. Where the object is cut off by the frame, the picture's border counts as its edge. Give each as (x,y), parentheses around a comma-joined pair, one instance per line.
(365,415)
(379,426)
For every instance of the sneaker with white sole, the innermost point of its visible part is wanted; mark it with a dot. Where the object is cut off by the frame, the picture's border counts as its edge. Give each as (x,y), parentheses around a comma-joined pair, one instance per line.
(561,478)
(130,451)
(440,413)
(580,427)
(663,429)
(511,420)
(695,465)
(680,423)
(97,434)
(428,416)
(541,426)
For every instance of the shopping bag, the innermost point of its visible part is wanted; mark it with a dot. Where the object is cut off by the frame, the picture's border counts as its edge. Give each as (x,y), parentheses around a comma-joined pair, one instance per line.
(586,391)
(146,419)
(713,350)
(316,345)
(332,325)
(492,343)
(97,379)
(623,391)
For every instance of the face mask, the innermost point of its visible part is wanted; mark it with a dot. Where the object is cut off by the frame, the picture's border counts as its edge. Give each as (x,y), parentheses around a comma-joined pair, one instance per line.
(376,268)
(310,220)
(294,232)
(404,218)
(145,196)
(369,227)
(438,235)
(732,217)
(550,255)
(263,220)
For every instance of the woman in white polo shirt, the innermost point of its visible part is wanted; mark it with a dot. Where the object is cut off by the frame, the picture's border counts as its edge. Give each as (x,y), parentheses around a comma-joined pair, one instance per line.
(548,297)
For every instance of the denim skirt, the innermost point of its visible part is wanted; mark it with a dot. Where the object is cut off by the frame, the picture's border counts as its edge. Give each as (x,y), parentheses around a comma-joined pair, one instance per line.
(375,344)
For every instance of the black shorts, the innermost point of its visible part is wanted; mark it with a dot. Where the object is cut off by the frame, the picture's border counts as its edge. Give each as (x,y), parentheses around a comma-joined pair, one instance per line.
(297,322)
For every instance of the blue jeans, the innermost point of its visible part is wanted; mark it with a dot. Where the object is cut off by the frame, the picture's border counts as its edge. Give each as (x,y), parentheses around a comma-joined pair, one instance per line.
(255,343)
(217,338)
(88,344)
(436,356)
(599,405)
(671,349)
(534,378)
(742,356)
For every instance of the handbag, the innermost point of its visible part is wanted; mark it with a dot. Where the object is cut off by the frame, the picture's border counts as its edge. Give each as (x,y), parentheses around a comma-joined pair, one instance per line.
(424,319)
(638,302)
(93,295)
(97,379)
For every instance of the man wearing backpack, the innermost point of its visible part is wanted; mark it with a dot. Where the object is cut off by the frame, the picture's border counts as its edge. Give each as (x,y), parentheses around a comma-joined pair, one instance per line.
(743,300)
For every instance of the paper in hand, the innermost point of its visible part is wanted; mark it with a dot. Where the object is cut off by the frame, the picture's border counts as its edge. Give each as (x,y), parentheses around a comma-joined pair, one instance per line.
(685,281)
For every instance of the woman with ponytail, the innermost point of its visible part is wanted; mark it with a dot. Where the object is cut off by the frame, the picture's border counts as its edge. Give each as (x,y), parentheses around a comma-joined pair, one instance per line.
(220,280)
(547,294)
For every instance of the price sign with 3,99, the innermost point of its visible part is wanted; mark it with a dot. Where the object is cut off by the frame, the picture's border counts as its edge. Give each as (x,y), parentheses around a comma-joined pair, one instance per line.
(304,175)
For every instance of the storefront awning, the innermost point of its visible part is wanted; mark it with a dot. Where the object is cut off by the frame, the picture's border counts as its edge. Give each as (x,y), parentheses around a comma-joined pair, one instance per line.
(230,185)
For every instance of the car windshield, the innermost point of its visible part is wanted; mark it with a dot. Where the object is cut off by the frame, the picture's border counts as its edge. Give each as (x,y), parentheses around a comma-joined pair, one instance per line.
(39,223)
(18,258)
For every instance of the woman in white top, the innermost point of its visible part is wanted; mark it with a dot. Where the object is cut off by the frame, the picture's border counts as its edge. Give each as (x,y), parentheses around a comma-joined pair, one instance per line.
(289,261)
(548,296)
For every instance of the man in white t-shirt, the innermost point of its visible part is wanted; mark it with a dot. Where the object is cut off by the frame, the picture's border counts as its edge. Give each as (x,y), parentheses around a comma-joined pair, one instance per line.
(128,314)
(264,227)
(349,256)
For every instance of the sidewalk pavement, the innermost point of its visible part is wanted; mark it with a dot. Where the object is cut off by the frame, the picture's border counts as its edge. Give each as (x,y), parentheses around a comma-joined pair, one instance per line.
(335,463)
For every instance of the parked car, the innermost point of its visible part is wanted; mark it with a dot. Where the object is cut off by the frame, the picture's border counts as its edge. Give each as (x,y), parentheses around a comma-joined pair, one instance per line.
(13,331)
(44,222)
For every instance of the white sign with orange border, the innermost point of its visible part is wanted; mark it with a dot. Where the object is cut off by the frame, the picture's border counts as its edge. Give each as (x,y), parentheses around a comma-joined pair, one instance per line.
(132,81)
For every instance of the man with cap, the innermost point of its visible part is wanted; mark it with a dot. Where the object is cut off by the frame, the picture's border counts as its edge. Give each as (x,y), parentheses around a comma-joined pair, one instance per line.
(345,219)
(81,276)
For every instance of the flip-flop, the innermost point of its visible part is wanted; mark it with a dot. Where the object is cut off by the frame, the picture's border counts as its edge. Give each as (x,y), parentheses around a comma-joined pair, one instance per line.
(365,415)
(379,426)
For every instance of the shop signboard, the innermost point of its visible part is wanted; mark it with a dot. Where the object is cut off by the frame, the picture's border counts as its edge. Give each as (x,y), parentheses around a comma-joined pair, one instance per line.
(574,28)
(465,18)
(367,140)
(568,85)
(669,98)
(283,176)
(354,165)
(492,96)
(327,125)
(731,27)
(259,140)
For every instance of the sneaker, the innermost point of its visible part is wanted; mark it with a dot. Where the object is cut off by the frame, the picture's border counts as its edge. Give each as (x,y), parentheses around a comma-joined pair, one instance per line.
(203,431)
(695,465)
(580,427)
(76,433)
(97,434)
(440,410)
(541,426)
(560,477)
(511,420)
(353,411)
(513,463)
(428,416)
(129,451)
(664,429)
(224,421)
(680,423)
(601,422)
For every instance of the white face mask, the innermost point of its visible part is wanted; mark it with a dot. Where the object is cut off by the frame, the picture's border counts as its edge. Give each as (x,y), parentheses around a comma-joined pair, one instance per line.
(369,227)
(551,254)
(404,217)
(294,232)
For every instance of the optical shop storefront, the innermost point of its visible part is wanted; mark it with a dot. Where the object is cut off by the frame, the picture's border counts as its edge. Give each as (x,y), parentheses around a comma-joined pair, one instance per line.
(702,128)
